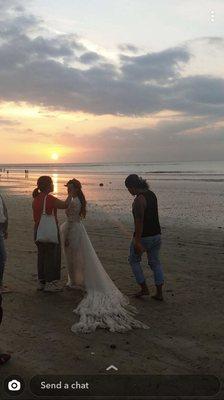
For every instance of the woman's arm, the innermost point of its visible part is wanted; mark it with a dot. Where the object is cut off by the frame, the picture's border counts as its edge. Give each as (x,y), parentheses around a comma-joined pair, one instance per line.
(62,205)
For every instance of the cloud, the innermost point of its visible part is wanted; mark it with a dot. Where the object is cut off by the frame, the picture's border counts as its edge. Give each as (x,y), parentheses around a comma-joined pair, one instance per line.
(8,122)
(28,135)
(17,25)
(5,5)
(176,140)
(197,95)
(90,57)
(159,66)
(128,47)
(42,68)
(211,40)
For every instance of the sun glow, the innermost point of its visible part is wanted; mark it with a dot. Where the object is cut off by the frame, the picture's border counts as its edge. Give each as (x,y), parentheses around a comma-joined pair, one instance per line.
(55,156)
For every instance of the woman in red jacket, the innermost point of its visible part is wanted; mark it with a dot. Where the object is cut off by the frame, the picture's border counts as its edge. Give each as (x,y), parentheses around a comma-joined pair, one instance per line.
(49,254)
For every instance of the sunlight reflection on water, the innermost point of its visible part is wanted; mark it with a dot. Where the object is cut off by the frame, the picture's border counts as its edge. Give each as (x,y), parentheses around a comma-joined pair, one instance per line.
(55,182)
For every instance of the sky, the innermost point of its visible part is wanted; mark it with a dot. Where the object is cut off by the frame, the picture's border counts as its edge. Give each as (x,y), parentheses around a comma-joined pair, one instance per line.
(116,81)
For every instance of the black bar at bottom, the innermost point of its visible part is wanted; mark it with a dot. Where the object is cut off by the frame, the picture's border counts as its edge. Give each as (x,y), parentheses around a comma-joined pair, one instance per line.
(125,385)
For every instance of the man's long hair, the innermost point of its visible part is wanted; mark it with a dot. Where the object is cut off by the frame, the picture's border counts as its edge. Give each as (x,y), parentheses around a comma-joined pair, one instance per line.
(137,182)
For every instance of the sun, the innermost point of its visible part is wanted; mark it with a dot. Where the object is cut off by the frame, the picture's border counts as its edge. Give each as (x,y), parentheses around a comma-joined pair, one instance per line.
(54,156)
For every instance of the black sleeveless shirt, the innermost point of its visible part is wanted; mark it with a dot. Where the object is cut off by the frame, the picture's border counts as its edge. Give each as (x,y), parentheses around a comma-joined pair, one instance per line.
(151,225)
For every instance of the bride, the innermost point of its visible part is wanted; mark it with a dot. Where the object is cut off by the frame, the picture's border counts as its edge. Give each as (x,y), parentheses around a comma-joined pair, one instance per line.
(104,305)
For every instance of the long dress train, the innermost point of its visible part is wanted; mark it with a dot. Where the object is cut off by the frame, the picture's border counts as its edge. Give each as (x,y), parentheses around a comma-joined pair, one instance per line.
(104,305)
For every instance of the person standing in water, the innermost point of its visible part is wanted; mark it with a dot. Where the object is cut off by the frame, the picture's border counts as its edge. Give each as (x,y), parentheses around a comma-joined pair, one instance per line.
(147,235)
(49,254)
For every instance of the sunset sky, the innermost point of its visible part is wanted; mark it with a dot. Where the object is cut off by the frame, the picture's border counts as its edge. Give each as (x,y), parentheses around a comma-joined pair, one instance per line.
(103,80)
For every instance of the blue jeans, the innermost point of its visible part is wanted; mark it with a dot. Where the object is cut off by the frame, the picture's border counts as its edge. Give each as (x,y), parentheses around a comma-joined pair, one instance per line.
(2,256)
(152,245)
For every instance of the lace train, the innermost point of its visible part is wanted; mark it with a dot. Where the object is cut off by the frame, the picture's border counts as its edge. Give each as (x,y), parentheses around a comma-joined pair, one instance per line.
(99,310)
(104,306)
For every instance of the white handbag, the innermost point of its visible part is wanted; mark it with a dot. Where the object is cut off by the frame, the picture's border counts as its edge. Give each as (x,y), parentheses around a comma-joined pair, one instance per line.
(47,231)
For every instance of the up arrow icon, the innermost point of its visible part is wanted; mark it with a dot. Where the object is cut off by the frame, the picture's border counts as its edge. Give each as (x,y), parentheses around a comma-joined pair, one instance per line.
(112,367)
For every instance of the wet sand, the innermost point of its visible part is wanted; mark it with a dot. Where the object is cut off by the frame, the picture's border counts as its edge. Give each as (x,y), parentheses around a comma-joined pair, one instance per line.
(186,331)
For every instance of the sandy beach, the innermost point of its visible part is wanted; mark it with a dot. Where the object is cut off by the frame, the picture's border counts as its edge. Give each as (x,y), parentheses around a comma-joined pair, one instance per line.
(186,331)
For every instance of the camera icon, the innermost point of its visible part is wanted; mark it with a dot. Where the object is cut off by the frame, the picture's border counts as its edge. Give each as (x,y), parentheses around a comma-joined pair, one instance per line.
(14,385)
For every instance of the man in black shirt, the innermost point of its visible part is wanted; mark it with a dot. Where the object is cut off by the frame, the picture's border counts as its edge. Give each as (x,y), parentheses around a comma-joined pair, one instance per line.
(147,235)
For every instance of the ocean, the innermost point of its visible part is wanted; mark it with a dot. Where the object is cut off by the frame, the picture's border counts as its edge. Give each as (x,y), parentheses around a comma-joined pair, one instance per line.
(189,193)
(192,168)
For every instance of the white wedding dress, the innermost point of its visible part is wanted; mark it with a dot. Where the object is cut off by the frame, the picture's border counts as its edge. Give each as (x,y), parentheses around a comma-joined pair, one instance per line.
(103,306)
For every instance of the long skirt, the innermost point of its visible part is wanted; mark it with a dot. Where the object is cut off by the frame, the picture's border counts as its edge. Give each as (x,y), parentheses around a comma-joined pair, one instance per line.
(48,262)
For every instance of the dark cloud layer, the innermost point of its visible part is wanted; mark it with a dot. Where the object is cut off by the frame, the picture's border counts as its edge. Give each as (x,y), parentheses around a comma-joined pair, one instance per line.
(158,67)
(90,57)
(45,70)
